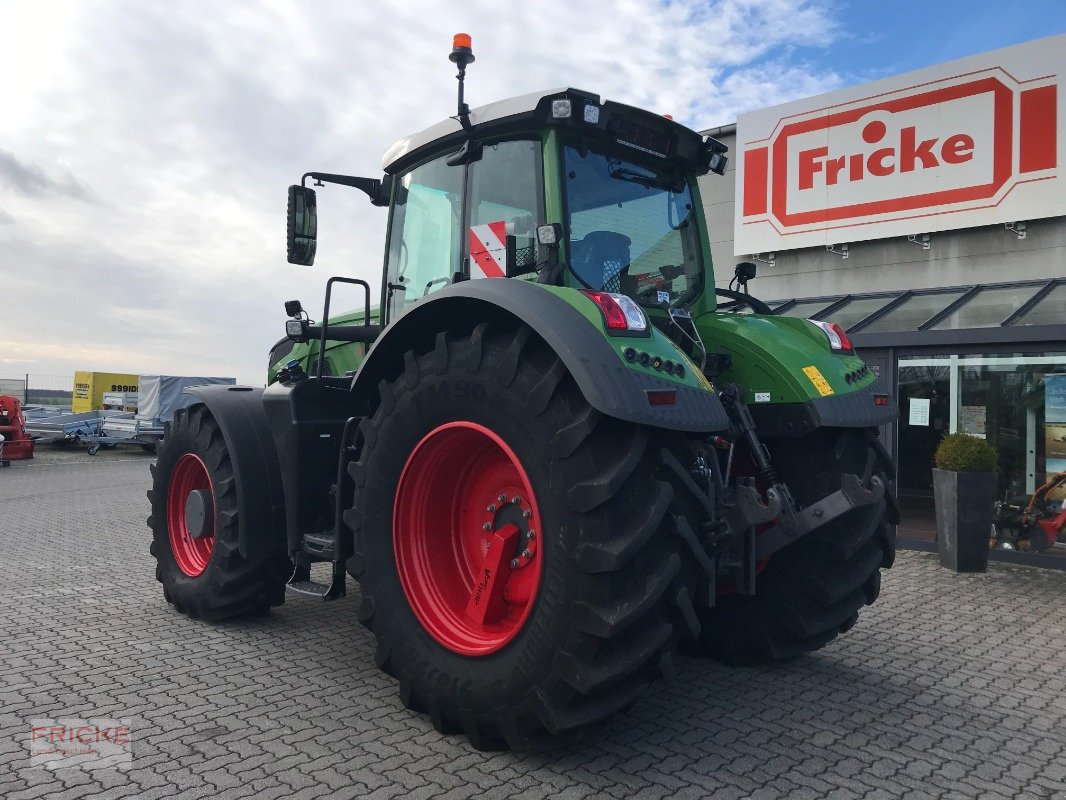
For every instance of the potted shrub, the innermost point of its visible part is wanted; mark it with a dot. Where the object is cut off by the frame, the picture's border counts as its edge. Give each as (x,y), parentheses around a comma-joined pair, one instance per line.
(964,490)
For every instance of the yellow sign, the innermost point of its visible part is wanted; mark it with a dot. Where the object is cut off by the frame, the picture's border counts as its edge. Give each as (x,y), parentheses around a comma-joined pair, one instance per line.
(89,388)
(820,383)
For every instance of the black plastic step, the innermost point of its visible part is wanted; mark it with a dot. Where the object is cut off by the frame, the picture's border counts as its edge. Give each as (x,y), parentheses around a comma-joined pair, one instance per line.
(321,546)
(309,588)
(301,582)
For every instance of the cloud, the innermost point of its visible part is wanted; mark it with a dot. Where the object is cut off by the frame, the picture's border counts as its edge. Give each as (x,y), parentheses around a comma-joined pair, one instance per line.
(5,218)
(31,180)
(190,125)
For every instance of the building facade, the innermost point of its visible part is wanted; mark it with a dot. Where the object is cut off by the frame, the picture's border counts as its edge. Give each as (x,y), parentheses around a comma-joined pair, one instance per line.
(926,214)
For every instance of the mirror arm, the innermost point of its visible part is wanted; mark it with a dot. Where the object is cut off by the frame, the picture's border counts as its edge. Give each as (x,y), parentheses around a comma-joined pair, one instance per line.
(377,190)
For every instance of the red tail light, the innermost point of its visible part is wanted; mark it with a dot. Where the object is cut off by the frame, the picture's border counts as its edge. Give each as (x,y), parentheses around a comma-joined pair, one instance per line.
(845,340)
(839,341)
(612,312)
(665,398)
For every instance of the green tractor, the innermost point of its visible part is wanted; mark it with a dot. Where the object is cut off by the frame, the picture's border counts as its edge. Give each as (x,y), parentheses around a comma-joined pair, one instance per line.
(548,458)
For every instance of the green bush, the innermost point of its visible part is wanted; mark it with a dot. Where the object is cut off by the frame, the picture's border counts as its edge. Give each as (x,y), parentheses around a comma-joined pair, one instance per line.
(960,452)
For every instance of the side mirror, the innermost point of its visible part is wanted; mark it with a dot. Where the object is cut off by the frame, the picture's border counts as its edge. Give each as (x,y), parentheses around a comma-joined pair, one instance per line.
(302,228)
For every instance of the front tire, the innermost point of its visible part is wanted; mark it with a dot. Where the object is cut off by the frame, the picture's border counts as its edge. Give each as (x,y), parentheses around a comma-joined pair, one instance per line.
(812,590)
(586,619)
(194,527)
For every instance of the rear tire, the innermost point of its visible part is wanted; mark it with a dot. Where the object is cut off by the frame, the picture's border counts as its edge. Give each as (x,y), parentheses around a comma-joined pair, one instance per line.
(205,577)
(812,590)
(608,606)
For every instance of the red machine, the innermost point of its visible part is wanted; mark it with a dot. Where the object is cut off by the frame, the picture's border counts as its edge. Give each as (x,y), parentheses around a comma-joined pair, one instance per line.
(1039,518)
(1049,525)
(16,443)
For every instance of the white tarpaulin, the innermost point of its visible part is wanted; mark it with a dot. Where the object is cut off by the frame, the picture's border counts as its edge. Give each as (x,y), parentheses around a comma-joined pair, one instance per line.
(162,395)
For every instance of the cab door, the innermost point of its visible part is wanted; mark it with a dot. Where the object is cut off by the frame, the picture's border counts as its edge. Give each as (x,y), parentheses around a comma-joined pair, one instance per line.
(425,243)
(506,199)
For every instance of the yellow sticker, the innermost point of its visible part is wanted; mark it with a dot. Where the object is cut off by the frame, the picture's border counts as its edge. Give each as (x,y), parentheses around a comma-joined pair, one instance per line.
(700,377)
(820,383)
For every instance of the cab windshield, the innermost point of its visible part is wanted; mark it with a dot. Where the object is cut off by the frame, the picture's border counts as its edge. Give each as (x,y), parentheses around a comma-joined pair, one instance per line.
(631,228)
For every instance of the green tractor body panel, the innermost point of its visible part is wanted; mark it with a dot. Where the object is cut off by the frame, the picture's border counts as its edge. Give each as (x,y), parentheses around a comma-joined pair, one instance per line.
(781,359)
(659,348)
(341,357)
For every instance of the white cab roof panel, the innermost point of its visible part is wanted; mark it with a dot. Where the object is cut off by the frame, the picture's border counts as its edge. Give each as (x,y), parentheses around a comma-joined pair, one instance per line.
(501,109)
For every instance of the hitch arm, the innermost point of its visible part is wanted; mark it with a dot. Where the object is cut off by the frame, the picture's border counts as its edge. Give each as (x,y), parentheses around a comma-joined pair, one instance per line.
(851,494)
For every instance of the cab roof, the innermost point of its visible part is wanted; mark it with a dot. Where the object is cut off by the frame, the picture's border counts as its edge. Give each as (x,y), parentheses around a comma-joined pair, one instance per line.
(499,112)
(670,140)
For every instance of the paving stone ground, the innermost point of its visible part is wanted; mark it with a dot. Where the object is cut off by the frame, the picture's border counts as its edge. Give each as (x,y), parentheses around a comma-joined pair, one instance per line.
(949,687)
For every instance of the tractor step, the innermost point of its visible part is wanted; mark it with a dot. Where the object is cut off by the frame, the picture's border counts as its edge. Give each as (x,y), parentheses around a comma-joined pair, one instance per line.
(301,582)
(313,589)
(320,546)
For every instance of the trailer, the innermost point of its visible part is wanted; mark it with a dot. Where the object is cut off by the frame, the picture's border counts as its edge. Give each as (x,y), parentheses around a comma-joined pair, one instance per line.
(159,398)
(125,428)
(63,428)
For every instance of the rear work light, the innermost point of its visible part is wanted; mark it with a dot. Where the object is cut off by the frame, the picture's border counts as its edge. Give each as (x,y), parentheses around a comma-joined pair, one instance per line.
(839,342)
(620,313)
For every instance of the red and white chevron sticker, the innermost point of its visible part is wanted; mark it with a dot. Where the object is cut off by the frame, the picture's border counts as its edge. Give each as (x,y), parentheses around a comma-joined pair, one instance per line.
(488,250)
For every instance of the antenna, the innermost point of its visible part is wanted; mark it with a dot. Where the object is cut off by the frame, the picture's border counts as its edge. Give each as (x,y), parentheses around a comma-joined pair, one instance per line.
(461,55)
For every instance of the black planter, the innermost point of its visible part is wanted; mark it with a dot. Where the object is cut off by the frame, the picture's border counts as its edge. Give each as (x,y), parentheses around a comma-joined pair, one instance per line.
(964,506)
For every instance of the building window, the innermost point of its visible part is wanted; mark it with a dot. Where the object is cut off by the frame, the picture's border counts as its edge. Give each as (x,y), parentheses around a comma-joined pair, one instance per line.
(1016,402)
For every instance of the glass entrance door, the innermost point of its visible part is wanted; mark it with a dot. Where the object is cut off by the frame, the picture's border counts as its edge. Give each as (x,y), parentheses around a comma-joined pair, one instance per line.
(1014,401)
(924,418)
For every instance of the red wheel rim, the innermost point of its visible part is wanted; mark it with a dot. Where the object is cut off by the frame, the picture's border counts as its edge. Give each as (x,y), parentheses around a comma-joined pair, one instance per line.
(466,534)
(191,554)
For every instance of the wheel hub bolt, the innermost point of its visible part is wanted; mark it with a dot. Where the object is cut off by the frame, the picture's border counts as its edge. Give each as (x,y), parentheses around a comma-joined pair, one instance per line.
(502,498)
(531,535)
(491,507)
(527,553)
(487,526)
(516,500)
(514,563)
(527,514)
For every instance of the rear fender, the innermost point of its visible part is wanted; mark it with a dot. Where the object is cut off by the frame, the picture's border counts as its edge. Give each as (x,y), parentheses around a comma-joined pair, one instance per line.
(591,356)
(792,381)
(254,456)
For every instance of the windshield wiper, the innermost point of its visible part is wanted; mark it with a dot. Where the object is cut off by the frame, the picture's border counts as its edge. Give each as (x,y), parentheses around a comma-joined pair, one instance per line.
(673,184)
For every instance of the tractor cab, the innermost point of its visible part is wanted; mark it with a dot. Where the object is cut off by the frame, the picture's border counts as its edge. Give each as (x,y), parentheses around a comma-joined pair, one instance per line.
(558,187)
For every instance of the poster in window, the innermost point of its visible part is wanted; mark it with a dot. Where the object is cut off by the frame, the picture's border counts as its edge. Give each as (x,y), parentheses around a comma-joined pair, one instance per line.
(919,411)
(1055,422)
(972,420)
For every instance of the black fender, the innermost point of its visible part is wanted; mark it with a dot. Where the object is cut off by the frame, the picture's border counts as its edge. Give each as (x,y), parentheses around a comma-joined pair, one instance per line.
(858,409)
(260,499)
(607,384)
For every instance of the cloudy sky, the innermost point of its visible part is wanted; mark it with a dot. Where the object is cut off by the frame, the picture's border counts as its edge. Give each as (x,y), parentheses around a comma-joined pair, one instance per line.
(146,147)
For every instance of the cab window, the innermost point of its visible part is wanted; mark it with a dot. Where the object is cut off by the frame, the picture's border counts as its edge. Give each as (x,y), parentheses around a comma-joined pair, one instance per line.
(631,227)
(424,243)
(505,187)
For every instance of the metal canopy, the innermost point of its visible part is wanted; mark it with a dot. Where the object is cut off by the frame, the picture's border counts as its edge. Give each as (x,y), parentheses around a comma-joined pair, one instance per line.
(950,308)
